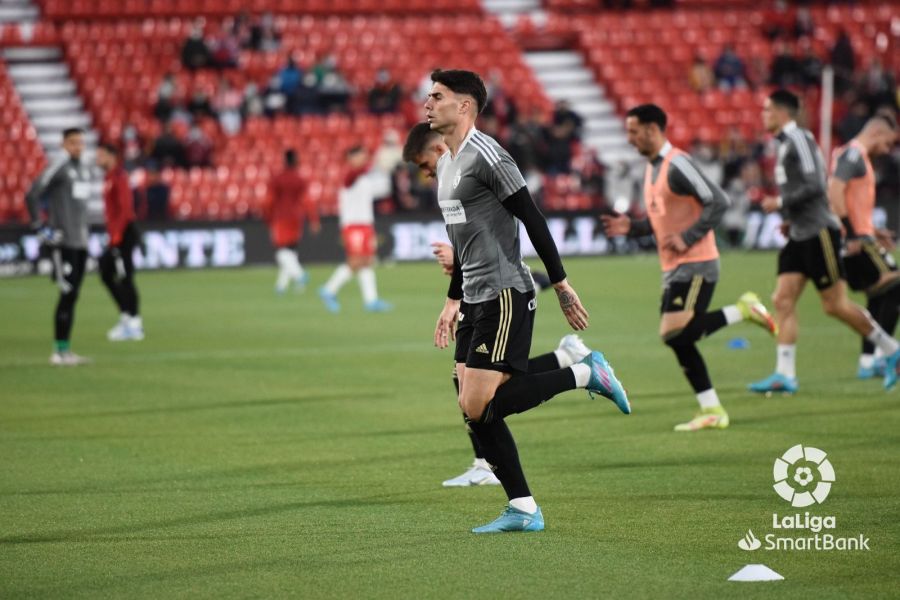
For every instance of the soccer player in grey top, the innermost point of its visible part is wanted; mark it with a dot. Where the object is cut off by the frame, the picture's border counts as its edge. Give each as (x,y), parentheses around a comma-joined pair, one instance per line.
(867,258)
(813,248)
(490,305)
(65,186)
(684,207)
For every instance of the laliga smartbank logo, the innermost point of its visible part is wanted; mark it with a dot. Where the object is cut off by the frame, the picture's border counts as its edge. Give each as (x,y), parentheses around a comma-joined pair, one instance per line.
(803,476)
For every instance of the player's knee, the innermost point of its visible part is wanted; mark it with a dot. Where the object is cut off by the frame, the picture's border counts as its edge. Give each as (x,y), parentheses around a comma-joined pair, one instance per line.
(673,338)
(833,307)
(782,302)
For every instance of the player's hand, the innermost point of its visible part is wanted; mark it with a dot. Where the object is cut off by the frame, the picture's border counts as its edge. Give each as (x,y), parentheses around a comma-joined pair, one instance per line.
(445,331)
(47,236)
(886,239)
(853,246)
(616,225)
(444,255)
(771,204)
(785,228)
(674,242)
(118,262)
(64,286)
(571,306)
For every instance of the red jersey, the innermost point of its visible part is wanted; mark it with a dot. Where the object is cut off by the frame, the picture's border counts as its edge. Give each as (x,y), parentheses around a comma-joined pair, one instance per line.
(118,204)
(288,207)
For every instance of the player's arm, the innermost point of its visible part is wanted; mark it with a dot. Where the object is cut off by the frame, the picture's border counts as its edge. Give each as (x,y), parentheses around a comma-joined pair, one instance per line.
(48,177)
(849,166)
(803,182)
(685,179)
(445,330)
(523,207)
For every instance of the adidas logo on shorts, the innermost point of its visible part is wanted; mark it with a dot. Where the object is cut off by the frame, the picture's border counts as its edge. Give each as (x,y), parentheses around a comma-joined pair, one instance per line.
(482,349)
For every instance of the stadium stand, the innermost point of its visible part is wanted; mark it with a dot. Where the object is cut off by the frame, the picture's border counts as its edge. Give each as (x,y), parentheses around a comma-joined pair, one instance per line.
(119,51)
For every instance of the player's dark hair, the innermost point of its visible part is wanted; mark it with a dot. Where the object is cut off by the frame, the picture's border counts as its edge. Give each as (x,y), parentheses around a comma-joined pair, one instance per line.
(72,131)
(109,148)
(649,113)
(463,82)
(417,140)
(290,157)
(786,100)
(887,119)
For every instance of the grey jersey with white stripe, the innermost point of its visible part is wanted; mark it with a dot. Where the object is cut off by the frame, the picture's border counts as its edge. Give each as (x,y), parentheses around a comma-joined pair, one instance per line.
(65,184)
(485,235)
(800,174)
(685,179)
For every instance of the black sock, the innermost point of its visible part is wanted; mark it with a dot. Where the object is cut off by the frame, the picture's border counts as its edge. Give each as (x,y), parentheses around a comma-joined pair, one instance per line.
(888,311)
(711,322)
(693,366)
(501,452)
(472,437)
(543,363)
(524,392)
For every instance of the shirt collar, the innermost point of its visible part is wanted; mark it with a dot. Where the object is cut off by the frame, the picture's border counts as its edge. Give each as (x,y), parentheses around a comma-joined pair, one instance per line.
(468,137)
(663,152)
(786,129)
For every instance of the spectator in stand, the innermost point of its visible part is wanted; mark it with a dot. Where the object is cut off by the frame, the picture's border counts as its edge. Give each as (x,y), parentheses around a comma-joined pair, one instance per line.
(729,70)
(194,53)
(757,73)
(168,151)
(700,76)
(198,149)
(263,35)
(252,104)
(199,106)
(843,60)
(570,120)
(804,27)
(153,199)
(224,50)
(878,85)
(559,140)
(228,106)
(778,21)
(384,97)
(591,175)
(499,104)
(132,148)
(785,70)
(289,79)
(810,64)
(274,100)
(166,96)
(527,145)
(334,92)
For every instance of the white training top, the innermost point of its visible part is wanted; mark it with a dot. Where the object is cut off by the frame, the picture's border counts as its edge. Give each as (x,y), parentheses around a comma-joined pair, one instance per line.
(355,203)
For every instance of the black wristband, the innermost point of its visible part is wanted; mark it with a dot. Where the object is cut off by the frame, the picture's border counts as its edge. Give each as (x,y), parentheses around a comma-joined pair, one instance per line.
(455,291)
(848,228)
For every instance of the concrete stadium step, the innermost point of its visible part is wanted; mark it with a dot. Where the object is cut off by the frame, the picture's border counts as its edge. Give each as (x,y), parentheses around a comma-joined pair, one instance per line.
(32,53)
(18,11)
(565,77)
(37,71)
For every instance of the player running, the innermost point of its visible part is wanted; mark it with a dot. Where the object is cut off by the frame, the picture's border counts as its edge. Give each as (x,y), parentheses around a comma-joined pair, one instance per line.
(363,185)
(490,305)
(870,267)
(65,185)
(684,207)
(812,249)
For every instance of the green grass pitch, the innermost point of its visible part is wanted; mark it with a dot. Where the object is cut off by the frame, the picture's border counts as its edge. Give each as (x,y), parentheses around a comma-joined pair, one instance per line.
(257,446)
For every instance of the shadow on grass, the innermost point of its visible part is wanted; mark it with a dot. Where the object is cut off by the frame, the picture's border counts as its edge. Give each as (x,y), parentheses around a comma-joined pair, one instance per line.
(124,531)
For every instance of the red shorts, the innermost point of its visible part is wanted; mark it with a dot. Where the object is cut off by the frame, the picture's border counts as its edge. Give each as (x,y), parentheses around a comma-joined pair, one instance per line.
(285,234)
(359,241)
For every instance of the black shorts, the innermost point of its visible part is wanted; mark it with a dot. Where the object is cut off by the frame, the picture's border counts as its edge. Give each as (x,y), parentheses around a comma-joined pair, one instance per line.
(496,334)
(818,258)
(694,295)
(866,268)
(70,262)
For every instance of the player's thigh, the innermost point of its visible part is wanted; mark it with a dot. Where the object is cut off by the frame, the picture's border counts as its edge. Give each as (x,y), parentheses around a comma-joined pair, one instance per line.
(834,298)
(673,322)
(502,331)
(681,300)
(479,388)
